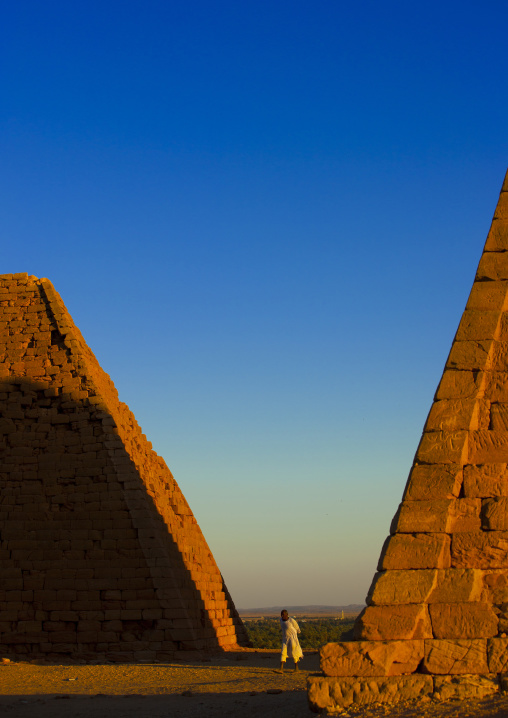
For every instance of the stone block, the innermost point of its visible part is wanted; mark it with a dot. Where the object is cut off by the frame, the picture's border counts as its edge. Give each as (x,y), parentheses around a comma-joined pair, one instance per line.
(477,324)
(459,384)
(486,480)
(480,549)
(426,586)
(493,266)
(439,516)
(465,687)
(469,355)
(502,329)
(371,658)
(487,446)
(496,386)
(419,550)
(497,238)
(434,481)
(396,621)
(401,587)
(489,296)
(453,415)
(498,417)
(463,620)
(335,694)
(497,655)
(495,514)
(501,211)
(443,447)
(499,356)
(451,656)
(495,586)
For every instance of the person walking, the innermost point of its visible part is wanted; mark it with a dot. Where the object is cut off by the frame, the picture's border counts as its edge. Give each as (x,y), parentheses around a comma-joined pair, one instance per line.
(290,642)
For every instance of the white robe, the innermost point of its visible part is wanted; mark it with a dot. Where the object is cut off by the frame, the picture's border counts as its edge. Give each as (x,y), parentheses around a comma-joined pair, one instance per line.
(290,643)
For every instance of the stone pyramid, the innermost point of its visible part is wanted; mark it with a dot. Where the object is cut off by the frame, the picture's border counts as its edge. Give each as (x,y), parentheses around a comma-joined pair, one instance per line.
(100,554)
(436,622)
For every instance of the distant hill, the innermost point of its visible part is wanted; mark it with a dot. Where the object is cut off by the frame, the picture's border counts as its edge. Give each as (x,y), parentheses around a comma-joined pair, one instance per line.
(310,609)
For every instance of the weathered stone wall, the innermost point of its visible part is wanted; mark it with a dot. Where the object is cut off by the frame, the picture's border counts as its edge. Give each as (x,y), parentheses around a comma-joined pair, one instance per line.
(100,554)
(439,602)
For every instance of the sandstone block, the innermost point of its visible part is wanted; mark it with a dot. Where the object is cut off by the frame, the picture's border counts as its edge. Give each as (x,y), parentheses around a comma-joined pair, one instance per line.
(426,586)
(493,265)
(439,516)
(502,329)
(502,205)
(486,480)
(470,355)
(480,549)
(496,384)
(499,356)
(453,415)
(416,551)
(443,447)
(497,239)
(401,586)
(434,481)
(487,446)
(465,687)
(477,324)
(498,417)
(495,586)
(459,384)
(497,655)
(488,296)
(456,656)
(495,514)
(463,620)
(397,621)
(335,694)
(371,658)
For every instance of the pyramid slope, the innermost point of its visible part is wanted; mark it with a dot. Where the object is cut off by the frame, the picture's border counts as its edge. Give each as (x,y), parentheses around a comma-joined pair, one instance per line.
(436,620)
(100,554)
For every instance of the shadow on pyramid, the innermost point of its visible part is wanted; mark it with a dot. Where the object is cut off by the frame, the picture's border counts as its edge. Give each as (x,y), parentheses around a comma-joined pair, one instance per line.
(100,555)
(436,622)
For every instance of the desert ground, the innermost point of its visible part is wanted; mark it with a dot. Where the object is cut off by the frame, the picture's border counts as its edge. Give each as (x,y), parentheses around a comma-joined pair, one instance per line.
(245,683)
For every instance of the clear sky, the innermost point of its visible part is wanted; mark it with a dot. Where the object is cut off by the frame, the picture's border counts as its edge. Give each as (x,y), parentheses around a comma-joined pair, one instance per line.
(265,217)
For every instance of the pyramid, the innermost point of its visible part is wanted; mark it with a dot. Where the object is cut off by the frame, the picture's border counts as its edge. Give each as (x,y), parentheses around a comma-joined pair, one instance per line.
(436,621)
(100,554)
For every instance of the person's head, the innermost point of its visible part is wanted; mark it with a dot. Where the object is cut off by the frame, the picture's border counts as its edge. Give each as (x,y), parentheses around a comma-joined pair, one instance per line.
(284,615)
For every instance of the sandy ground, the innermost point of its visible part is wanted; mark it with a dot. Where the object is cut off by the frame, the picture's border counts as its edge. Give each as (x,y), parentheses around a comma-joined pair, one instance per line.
(245,684)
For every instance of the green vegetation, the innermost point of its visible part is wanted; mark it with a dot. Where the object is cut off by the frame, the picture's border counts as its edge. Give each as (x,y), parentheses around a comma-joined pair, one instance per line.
(315,632)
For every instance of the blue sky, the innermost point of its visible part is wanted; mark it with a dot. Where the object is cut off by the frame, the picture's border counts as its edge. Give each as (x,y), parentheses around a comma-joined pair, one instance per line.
(265,218)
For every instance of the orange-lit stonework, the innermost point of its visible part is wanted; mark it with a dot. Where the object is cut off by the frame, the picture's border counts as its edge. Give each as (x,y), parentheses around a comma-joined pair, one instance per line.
(436,621)
(100,554)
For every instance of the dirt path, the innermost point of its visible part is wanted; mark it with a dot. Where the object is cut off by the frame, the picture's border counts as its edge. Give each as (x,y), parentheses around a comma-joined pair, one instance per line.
(245,684)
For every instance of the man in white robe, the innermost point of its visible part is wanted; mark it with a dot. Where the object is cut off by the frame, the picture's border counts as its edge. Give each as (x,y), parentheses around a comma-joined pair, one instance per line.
(290,643)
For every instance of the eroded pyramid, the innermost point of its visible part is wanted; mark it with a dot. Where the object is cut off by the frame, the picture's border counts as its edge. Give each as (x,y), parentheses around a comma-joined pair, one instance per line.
(436,622)
(100,554)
